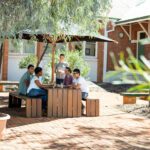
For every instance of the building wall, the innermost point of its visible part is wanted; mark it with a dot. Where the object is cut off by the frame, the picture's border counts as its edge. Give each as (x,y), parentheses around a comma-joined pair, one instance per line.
(124,43)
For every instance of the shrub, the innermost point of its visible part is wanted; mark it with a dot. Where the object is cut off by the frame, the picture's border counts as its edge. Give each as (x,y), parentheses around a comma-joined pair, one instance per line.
(74,59)
(30,59)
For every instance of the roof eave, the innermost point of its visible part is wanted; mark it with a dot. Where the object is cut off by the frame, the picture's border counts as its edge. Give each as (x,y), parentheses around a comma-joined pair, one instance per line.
(132,20)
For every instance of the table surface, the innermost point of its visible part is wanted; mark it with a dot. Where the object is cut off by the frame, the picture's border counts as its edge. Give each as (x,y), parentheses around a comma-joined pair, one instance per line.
(9,82)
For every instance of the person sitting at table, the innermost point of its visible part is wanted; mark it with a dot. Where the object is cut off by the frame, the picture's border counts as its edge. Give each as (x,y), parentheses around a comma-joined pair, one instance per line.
(68,80)
(36,88)
(80,83)
(60,69)
(25,80)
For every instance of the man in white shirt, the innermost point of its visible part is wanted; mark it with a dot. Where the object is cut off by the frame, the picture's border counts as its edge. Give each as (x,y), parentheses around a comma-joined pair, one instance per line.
(36,89)
(80,83)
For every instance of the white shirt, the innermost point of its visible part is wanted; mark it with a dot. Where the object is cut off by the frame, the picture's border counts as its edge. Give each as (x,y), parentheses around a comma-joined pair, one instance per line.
(83,84)
(33,84)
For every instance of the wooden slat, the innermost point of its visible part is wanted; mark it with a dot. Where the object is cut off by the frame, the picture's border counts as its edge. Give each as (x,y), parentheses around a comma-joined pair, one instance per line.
(60,95)
(79,103)
(55,101)
(88,112)
(97,107)
(65,104)
(28,107)
(70,103)
(50,103)
(33,101)
(129,100)
(75,103)
(93,106)
(39,107)
(1,88)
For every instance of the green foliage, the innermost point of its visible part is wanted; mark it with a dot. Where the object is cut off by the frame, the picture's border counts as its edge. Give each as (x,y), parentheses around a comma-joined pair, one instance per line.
(74,59)
(138,68)
(52,16)
(30,59)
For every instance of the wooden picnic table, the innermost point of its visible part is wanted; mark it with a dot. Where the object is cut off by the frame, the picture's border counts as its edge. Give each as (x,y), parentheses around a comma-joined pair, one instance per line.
(9,82)
(64,102)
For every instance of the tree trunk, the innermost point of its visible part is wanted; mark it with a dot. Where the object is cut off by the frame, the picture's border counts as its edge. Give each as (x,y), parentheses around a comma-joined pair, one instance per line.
(42,55)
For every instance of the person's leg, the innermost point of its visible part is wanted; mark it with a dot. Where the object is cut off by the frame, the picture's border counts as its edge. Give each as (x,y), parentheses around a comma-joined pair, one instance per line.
(61,81)
(39,92)
(43,93)
(58,81)
(84,97)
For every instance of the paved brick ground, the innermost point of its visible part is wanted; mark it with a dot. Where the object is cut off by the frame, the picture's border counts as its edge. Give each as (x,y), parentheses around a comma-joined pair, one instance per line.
(114,130)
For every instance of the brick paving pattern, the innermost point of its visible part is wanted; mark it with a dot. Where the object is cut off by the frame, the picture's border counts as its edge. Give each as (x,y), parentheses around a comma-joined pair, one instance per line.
(113,130)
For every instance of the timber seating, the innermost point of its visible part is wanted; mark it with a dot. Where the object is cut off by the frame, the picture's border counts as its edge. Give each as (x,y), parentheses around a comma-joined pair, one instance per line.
(33,104)
(92,107)
(130,98)
(64,102)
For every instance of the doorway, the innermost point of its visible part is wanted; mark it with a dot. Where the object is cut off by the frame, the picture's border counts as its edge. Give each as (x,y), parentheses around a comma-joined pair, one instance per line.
(140,46)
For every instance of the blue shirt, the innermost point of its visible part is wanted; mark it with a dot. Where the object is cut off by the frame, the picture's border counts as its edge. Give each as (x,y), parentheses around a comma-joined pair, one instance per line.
(23,83)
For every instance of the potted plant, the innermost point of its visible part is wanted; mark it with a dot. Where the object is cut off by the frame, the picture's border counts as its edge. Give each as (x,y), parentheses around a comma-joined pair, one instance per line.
(3,121)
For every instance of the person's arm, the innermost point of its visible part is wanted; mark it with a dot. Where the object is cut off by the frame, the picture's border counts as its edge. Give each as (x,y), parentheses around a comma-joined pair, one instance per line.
(27,82)
(77,86)
(37,82)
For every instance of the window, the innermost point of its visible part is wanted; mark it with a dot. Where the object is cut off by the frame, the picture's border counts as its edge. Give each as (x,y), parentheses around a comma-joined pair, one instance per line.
(90,49)
(21,47)
(142,35)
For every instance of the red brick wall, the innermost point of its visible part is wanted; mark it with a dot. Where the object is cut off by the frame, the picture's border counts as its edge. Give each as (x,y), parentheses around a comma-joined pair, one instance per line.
(123,44)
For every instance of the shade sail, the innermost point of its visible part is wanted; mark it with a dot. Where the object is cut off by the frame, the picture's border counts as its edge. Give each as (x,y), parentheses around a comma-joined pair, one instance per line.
(64,38)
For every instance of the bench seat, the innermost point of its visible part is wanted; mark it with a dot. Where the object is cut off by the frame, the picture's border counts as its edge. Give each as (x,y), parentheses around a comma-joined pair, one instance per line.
(92,107)
(130,98)
(33,104)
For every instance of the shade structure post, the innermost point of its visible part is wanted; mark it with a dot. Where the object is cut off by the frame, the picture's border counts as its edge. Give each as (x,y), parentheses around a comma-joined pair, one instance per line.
(53,61)
(1,56)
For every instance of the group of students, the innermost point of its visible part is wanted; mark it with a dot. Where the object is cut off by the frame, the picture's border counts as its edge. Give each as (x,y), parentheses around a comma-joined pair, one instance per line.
(31,82)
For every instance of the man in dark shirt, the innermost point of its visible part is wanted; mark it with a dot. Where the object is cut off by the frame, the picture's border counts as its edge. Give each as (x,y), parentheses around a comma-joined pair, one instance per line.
(25,80)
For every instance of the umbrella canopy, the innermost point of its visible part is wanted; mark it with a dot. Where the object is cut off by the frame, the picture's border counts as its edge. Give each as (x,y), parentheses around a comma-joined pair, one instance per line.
(64,38)
(60,39)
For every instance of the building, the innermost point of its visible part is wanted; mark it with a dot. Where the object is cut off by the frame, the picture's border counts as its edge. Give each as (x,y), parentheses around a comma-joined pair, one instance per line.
(129,22)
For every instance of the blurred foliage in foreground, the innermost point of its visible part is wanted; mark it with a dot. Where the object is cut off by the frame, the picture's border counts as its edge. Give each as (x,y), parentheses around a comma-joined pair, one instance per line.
(138,68)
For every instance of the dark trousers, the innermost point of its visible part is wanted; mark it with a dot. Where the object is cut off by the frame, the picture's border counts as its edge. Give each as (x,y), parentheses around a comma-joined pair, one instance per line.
(59,81)
(39,93)
(84,97)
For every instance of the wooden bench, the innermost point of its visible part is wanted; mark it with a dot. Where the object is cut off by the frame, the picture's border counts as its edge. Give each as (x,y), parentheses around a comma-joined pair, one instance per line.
(92,107)
(33,105)
(4,83)
(64,102)
(130,98)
